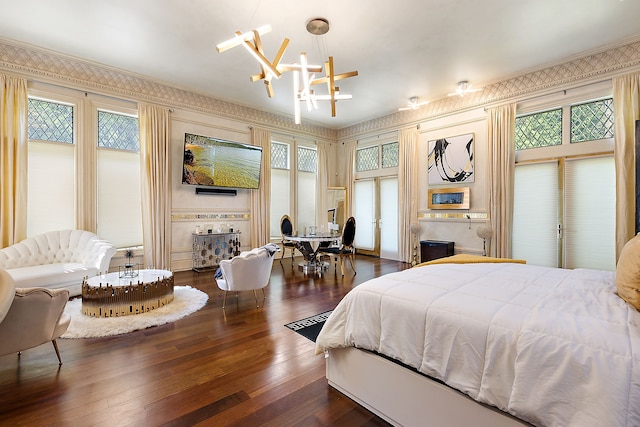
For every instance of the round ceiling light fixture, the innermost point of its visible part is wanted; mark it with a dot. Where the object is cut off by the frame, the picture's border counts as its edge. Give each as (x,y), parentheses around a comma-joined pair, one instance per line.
(318,26)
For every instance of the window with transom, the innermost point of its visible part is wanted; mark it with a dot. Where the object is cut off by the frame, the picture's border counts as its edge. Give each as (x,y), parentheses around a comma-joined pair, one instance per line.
(375,157)
(118,179)
(564,198)
(80,155)
(294,167)
(51,196)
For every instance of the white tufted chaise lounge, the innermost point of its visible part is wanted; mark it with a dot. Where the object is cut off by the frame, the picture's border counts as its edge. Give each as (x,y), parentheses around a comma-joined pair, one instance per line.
(57,259)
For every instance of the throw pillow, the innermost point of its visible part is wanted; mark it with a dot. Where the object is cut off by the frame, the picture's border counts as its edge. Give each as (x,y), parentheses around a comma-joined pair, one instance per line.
(628,272)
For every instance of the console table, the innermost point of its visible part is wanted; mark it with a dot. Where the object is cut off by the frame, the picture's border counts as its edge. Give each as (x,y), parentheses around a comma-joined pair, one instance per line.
(210,248)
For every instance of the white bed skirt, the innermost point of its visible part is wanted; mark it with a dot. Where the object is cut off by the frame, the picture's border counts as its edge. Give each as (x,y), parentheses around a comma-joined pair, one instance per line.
(404,397)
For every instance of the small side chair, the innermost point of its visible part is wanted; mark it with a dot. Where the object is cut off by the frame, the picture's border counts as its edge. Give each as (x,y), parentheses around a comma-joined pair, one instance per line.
(286,229)
(346,248)
(249,271)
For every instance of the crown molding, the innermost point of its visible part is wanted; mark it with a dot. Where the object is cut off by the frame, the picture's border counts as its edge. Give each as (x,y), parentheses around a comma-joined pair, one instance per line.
(45,65)
(590,67)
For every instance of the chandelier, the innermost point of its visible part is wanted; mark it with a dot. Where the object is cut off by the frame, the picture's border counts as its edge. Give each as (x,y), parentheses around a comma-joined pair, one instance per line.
(304,76)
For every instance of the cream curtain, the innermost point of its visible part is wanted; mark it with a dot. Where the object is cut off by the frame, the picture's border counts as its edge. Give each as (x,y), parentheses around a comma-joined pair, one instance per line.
(322,184)
(155,158)
(348,174)
(86,185)
(407,190)
(261,198)
(13,159)
(501,141)
(626,106)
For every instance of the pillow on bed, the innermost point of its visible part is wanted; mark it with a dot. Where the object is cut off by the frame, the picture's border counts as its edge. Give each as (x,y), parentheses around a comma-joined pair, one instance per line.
(628,272)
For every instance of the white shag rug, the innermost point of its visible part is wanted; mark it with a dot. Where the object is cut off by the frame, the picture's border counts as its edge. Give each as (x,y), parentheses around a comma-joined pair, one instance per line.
(186,300)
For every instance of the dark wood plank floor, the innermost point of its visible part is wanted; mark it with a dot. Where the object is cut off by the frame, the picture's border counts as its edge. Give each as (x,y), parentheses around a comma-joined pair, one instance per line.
(237,367)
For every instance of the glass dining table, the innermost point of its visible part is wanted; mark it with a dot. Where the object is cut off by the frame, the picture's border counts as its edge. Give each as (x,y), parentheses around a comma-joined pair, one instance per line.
(313,264)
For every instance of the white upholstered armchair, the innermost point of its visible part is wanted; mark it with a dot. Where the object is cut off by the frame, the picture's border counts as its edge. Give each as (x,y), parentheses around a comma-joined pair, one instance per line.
(33,316)
(248,271)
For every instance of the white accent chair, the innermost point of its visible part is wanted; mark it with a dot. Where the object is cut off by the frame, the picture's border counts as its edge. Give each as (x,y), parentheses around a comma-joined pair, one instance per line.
(34,316)
(248,271)
(57,259)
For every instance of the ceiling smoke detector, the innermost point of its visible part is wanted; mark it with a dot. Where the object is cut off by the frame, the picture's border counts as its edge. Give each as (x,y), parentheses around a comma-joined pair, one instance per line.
(318,26)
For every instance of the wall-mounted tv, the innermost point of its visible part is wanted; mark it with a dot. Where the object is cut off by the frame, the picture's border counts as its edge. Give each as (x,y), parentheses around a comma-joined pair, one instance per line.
(214,162)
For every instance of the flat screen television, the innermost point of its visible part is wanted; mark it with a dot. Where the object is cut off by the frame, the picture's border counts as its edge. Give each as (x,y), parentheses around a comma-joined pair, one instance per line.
(213,162)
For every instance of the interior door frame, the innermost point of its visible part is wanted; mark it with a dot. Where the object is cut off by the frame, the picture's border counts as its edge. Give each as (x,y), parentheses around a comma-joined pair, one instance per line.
(376,250)
(382,226)
(376,215)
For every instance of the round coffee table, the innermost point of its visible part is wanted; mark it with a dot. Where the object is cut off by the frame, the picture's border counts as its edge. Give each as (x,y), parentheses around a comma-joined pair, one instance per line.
(110,295)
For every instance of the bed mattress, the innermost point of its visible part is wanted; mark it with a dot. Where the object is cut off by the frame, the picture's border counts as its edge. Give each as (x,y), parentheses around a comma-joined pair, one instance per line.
(550,346)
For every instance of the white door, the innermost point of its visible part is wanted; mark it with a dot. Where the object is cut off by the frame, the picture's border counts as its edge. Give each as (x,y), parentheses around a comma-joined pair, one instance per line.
(365,203)
(389,218)
(375,209)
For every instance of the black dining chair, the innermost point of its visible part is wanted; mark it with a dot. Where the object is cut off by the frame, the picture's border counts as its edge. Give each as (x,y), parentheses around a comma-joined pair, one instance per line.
(286,229)
(346,248)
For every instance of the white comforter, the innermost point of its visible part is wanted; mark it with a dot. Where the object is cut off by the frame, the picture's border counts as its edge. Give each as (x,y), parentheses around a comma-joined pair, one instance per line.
(553,347)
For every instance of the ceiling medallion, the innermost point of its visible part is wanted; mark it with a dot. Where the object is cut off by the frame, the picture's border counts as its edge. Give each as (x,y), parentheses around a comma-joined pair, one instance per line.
(318,26)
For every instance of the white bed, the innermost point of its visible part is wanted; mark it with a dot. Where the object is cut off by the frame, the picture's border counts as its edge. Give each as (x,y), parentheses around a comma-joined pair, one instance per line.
(548,346)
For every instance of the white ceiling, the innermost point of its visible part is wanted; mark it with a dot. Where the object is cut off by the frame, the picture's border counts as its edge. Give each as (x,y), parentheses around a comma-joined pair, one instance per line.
(400,48)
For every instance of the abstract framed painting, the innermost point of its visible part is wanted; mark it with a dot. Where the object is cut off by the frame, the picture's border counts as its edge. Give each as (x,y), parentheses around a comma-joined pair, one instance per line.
(451,160)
